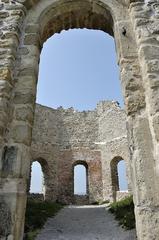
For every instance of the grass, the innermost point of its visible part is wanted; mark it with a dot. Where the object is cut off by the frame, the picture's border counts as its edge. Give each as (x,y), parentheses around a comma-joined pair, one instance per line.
(124,212)
(37,212)
(100,202)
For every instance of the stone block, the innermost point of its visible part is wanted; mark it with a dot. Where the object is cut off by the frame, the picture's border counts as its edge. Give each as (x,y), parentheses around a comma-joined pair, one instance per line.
(9,157)
(22,133)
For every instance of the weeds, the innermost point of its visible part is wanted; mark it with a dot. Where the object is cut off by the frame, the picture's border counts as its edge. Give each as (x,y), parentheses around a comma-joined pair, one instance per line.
(124,212)
(37,212)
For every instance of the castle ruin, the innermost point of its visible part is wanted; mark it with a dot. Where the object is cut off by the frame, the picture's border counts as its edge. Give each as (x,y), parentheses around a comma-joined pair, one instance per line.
(24,27)
(64,138)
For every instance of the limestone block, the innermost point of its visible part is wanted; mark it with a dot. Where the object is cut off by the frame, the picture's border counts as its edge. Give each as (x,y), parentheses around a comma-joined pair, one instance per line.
(5,74)
(147,222)
(22,133)
(24,113)
(149,52)
(31,39)
(9,157)
(156,127)
(27,98)
(153,66)
(5,219)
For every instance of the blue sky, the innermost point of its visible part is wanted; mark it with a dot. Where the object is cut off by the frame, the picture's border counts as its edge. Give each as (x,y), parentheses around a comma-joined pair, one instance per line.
(78,68)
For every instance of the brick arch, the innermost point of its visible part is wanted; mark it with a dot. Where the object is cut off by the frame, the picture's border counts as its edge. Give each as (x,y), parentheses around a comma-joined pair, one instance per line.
(43,162)
(80,162)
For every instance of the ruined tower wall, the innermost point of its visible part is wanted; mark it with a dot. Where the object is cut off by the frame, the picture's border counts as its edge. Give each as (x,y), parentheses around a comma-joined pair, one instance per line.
(67,137)
(113,144)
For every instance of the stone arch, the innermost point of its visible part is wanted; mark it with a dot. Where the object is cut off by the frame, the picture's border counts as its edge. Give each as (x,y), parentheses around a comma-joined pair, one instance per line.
(115,175)
(83,163)
(110,16)
(41,23)
(136,60)
(114,14)
(79,14)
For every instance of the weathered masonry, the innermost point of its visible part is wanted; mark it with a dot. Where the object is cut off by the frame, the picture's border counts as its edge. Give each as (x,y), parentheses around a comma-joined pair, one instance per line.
(64,138)
(24,26)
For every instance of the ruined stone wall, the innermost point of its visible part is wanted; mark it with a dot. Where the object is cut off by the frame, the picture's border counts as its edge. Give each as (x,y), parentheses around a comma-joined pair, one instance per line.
(113,144)
(65,137)
(24,27)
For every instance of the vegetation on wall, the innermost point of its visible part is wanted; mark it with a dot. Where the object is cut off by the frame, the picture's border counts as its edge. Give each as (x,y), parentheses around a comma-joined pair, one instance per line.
(124,212)
(37,212)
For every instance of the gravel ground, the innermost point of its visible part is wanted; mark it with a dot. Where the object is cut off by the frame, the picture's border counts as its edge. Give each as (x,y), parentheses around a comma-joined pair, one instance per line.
(84,223)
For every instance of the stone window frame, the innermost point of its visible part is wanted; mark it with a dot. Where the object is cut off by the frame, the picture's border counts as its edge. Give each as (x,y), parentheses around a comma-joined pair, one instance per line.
(85,164)
(115,174)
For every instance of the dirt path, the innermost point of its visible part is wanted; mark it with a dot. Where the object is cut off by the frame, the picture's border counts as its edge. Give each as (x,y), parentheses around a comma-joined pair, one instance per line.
(84,223)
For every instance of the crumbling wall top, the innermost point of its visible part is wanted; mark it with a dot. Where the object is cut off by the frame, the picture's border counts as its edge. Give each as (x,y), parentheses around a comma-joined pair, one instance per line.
(70,128)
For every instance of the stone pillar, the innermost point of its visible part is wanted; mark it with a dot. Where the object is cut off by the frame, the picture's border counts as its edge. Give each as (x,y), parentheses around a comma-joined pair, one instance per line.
(13,184)
(139,127)
(145,19)
(11,20)
(20,133)
(13,156)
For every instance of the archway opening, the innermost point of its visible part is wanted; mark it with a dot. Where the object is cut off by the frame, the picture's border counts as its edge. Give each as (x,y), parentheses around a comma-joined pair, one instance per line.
(81,19)
(37,179)
(80,180)
(123,185)
(80,68)
(118,177)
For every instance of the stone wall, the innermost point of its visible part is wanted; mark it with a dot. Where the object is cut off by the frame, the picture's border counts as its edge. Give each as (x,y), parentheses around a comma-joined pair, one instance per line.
(64,138)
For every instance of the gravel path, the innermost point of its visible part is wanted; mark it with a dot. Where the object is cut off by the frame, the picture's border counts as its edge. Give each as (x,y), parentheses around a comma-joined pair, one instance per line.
(84,223)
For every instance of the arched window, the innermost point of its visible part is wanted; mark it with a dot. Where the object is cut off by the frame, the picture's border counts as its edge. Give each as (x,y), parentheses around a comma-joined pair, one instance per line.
(80,180)
(123,185)
(118,175)
(37,178)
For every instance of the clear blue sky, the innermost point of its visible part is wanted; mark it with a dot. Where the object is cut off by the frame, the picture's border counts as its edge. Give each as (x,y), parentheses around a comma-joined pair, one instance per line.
(80,180)
(78,68)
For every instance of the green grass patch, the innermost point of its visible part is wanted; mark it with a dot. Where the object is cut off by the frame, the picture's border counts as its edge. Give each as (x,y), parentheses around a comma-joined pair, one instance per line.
(124,212)
(31,235)
(104,202)
(37,212)
(100,202)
